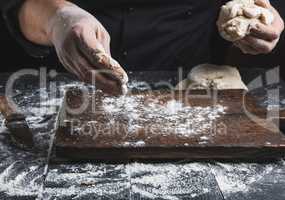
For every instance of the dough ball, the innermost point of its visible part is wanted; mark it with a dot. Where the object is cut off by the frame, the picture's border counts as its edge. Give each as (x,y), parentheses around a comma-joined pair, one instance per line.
(238,17)
(212,76)
(235,8)
(237,28)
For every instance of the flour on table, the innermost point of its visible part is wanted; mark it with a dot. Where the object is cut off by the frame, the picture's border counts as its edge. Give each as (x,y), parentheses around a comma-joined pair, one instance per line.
(240,178)
(21,172)
(26,182)
(139,143)
(168,181)
(86,181)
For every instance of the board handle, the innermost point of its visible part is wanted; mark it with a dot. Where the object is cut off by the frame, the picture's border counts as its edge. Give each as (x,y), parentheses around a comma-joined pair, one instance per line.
(8,111)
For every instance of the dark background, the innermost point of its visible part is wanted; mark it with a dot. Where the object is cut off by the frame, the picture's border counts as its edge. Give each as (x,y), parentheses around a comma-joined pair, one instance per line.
(13,57)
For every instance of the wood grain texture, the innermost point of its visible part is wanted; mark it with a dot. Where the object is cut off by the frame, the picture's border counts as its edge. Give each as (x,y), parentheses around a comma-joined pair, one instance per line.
(240,137)
(9,112)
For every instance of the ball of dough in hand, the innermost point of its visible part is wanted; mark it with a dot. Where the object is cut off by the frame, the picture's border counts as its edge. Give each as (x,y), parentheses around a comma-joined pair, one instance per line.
(238,17)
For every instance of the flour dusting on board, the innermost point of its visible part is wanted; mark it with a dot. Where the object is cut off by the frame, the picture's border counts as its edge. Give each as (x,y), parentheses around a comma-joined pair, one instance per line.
(180,119)
(21,172)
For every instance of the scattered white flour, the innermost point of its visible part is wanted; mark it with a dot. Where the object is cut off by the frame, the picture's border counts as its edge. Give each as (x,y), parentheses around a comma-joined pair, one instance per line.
(136,180)
(283,102)
(52,102)
(239,178)
(27,182)
(168,181)
(81,180)
(139,85)
(134,144)
(174,115)
(2,124)
(21,172)
(204,138)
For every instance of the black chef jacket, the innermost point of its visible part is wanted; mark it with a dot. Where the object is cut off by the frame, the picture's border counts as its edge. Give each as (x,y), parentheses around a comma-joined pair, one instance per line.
(147,34)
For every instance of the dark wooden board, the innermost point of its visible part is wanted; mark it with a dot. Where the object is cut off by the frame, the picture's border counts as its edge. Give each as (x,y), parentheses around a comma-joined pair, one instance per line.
(242,138)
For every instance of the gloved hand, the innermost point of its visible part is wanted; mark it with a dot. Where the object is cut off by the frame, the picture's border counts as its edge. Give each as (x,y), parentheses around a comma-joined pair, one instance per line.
(83,47)
(263,38)
(254,26)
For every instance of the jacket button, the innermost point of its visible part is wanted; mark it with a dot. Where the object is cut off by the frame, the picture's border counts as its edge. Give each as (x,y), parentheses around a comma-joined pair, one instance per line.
(125,53)
(131,9)
(189,12)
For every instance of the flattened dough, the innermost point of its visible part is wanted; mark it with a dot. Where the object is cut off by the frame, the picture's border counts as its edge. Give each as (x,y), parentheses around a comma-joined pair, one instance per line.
(238,17)
(212,76)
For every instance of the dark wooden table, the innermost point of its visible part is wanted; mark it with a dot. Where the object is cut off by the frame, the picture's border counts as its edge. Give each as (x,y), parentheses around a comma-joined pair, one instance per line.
(28,174)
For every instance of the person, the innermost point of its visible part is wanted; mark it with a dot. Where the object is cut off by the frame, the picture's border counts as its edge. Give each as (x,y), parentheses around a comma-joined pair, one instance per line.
(90,36)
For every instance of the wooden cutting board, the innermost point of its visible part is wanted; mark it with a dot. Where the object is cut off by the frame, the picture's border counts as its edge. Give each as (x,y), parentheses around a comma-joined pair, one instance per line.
(198,125)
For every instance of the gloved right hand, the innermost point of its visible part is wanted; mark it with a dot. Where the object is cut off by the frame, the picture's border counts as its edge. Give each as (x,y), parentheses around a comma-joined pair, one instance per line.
(83,47)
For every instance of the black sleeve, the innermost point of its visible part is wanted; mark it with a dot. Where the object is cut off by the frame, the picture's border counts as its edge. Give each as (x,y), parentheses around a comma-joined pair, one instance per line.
(9,10)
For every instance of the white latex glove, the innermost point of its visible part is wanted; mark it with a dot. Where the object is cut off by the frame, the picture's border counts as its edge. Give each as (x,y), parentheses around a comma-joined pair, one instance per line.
(263,38)
(83,47)
(254,26)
